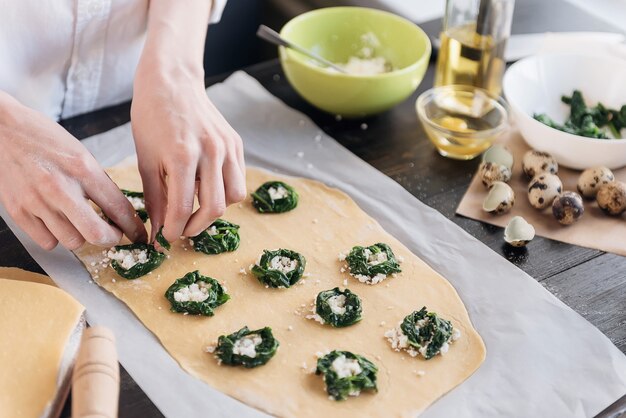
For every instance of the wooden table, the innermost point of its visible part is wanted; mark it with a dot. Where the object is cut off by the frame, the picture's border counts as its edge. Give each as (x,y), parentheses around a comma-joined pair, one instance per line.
(593,283)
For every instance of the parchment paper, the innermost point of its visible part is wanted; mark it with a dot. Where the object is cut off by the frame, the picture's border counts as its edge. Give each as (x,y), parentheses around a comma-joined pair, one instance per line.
(593,230)
(543,358)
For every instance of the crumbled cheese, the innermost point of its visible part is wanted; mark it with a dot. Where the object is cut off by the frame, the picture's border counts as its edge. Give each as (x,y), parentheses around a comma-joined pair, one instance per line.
(247,345)
(374,259)
(370,280)
(304,366)
(341,256)
(195,292)
(397,339)
(127,259)
(283,264)
(243,271)
(345,367)
(343,270)
(113,280)
(211,231)
(400,259)
(290,328)
(315,220)
(337,304)
(209,349)
(456,334)
(366,66)
(420,373)
(137,202)
(93,264)
(277,193)
(345,282)
(382,323)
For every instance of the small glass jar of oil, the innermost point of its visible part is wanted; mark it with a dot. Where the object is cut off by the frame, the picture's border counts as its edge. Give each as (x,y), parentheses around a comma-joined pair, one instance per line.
(472,46)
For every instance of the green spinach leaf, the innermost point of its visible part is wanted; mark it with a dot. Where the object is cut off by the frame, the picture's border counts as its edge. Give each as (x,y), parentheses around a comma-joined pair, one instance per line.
(373,260)
(426,332)
(143,257)
(279,268)
(274,197)
(161,240)
(346,374)
(137,196)
(196,294)
(221,236)
(347,307)
(234,351)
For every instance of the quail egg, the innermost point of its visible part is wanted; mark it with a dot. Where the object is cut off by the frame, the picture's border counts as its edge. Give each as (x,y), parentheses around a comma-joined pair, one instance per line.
(591,179)
(492,172)
(500,199)
(542,190)
(611,198)
(499,154)
(568,208)
(518,232)
(535,162)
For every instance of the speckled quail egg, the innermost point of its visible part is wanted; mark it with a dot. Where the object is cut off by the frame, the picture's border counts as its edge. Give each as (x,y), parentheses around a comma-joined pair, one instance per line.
(542,190)
(568,208)
(500,199)
(611,198)
(518,232)
(591,179)
(535,162)
(492,172)
(499,154)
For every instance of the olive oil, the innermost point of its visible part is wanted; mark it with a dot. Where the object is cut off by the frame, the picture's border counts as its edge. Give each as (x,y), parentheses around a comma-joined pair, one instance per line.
(469,58)
(459,142)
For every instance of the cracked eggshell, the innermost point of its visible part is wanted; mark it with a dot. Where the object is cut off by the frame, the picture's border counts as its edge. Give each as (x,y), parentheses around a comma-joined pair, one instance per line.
(500,199)
(518,232)
(536,162)
(611,198)
(542,190)
(499,154)
(491,172)
(568,208)
(592,179)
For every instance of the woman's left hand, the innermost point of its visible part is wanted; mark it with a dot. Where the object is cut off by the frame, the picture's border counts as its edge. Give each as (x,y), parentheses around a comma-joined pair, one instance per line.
(184,146)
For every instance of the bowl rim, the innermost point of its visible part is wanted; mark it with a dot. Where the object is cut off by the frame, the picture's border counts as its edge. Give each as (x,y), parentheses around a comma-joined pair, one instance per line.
(419,106)
(554,55)
(324,10)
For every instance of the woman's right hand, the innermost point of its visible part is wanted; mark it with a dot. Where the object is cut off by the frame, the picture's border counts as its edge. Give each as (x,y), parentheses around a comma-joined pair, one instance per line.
(47,179)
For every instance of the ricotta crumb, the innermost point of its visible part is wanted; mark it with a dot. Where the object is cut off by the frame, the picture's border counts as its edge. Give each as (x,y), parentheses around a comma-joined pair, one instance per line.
(137,202)
(341,256)
(337,304)
(209,349)
(243,271)
(247,345)
(345,282)
(127,259)
(195,292)
(345,367)
(420,373)
(277,193)
(283,264)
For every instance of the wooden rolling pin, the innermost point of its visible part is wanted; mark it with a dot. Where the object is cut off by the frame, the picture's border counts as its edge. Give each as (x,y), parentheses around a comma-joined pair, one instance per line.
(96,377)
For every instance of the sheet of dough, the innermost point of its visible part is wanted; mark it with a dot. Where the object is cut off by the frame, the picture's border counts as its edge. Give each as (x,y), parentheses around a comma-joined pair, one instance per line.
(36,321)
(325,223)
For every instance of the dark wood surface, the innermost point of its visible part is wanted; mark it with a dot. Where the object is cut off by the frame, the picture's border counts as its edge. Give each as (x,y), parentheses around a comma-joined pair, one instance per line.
(593,283)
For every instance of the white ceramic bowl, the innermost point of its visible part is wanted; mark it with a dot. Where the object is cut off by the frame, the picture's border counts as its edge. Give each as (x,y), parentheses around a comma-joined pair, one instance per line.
(536,84)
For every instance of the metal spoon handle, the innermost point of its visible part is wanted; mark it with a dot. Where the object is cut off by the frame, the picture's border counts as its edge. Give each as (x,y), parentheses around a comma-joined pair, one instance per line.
(273,37)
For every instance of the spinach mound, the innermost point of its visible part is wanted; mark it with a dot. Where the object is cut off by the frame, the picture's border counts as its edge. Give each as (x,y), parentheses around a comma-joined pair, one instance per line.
(352,306)
(359,261)
(142,213)
(155,259)
(339,388)
(275,278)
(226,239)
(426,332)
(264,351)
(263,202)
(215,297)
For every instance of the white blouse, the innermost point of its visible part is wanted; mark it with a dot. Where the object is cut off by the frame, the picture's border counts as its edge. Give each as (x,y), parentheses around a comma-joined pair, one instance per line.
(67,57)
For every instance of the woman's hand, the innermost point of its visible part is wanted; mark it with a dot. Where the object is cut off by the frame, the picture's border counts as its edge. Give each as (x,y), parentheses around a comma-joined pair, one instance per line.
(184,143)
(47,178)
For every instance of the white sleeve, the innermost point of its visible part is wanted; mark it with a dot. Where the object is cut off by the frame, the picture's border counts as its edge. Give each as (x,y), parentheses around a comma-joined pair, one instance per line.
(217,10)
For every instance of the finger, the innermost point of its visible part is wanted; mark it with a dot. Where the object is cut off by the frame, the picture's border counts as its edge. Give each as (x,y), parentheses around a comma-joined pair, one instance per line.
(181,180)
(154,195)
(38,231)
(234,182)
(92,227)
(63,230)
(211,195)
(105,193)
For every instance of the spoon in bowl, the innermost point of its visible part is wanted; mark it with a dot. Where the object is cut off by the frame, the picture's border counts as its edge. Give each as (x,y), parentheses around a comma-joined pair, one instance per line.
(273,37)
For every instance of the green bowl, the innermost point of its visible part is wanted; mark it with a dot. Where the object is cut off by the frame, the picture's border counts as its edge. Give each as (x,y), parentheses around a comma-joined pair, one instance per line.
(338,33)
